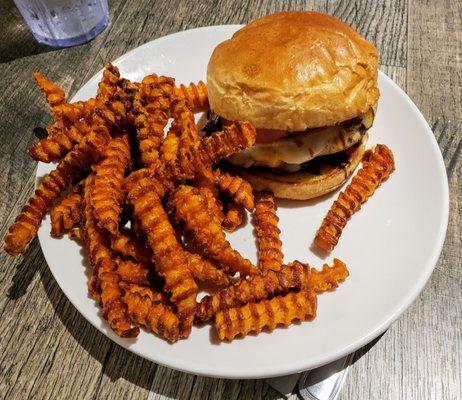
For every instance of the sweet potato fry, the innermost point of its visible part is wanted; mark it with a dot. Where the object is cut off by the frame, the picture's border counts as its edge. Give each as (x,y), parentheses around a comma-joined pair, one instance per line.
(235,187)
(195,95)
(54,95)
(133,272)
(254,289)
(66,214)
(375,170)
(184,125)
(146,308)
(205,271)
(70,169)
(266,226)
(234,217)
(169,257)
(329,277)
(105,279)
(191,207)
(151,110)
(130,247)
(254,317)
(169,147)
(61,139)
(107,195)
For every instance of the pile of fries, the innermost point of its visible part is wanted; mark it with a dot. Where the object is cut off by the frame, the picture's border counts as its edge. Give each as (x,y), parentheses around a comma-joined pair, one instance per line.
(152,208)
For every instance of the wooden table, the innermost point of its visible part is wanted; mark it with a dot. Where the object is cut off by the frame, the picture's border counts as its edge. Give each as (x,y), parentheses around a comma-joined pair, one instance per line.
(49,351)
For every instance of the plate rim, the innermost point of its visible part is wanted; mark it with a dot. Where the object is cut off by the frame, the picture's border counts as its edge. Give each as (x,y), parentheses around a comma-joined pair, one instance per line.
(289,367)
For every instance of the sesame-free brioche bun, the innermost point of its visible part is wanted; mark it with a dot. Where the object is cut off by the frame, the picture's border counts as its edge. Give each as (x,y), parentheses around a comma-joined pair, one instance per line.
(293,71)
(306,185)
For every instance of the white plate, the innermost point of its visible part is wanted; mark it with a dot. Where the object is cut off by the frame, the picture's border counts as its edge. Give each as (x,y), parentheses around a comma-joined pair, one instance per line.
(391,246)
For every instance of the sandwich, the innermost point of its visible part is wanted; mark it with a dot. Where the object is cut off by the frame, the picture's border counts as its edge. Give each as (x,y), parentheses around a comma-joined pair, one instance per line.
(308,83)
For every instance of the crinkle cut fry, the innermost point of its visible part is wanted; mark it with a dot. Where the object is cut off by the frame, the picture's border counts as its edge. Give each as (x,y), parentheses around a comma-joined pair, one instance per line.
(191,207)
(66,214)
(254,317)
(236,187)
(130,247)
(195,95)
(169,147)
(376,169)
(147,309)
(169,258)
(104,283)
(210,150)
(252,290)
(234,217)
(54,95)
(70,169)
(151,110)
(133,272)
(266,221)
(329,277)
(205,271)
(61,139)
(107,195)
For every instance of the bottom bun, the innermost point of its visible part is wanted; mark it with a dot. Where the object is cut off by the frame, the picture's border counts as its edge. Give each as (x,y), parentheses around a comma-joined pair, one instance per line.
(305,185)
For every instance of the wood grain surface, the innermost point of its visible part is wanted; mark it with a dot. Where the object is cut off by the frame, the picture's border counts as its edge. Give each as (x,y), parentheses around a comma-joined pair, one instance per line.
(49,351)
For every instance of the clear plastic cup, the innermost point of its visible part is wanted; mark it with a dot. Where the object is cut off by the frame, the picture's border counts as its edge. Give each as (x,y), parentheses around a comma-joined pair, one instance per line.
(63,23)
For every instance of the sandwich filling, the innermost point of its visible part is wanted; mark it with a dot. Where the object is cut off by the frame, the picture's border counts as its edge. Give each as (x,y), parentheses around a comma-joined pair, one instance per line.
(291,152)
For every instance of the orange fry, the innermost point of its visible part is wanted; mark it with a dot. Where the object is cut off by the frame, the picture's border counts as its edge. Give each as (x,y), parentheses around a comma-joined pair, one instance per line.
(329,277)
(236,187)
(191,207)
(69,170)
(54,95)
(61,139)
(145,307)
(376,169)
(169,147)
(266,226)
(254,289)
(133,272)
(129,246)
(205,271)
(235,216)
(169,257)
(254,317)
(107,194)
(151,110)
(104,283)
(195,95)
(66,214)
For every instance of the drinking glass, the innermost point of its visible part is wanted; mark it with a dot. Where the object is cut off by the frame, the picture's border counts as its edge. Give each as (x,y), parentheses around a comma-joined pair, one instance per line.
(63,23)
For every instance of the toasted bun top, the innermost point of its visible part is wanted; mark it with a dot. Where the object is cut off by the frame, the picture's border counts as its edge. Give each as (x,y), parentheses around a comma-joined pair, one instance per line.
(293,71)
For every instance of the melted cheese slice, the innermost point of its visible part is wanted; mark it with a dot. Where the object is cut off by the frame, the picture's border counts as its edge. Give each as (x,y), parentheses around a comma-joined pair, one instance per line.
(288,153)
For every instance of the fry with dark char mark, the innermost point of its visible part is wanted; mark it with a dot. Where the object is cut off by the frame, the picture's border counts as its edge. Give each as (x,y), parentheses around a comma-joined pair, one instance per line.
(54,95)
(205,271)
(129,246)
(268,314)
(234,217)
(61,139)
(195,96)
(266,226)
(170,259)
(104,283)
(329,277)
(376,169)
(107,195)
(70,169)
(133,272)
(66,214)
(191,207)
(146,308)
(254,289)
(236,187)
